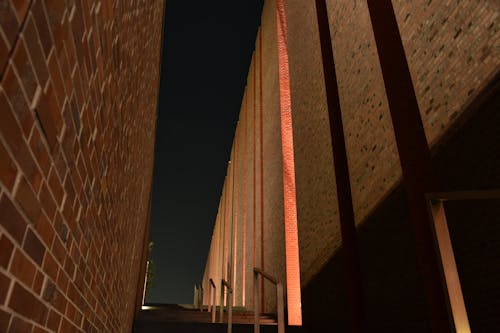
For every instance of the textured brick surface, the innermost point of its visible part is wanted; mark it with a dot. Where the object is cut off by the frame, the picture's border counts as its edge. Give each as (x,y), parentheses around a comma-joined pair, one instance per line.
(78,93)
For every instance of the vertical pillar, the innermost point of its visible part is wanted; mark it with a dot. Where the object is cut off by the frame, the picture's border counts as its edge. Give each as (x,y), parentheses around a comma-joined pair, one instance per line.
(414,154)
(254,132)
(244,162)
(289,201)
(226,227)
(234,279)
(342,178)
(261,146)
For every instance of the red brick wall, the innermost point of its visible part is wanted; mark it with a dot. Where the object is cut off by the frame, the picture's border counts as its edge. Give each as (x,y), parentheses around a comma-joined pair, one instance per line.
(78,94)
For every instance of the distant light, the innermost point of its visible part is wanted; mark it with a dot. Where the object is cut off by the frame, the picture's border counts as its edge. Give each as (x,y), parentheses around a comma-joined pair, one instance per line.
(145,307)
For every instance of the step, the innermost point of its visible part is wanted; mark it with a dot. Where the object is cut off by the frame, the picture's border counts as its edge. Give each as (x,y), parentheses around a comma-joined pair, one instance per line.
(172,327)
(174,313)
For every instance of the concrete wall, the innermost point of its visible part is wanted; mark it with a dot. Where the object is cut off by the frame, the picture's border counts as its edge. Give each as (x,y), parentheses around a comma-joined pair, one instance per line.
(78,92)
(452,53)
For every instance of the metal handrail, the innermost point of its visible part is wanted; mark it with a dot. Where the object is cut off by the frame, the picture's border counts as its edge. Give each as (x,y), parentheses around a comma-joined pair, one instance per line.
(198,297)
(280,300)
(445,251)
(212,299)
(226,284)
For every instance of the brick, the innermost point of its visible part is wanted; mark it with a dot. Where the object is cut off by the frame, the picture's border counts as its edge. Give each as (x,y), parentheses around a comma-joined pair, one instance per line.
(17,99)
(38,329)
(21,7)
(54,321)
(23,268)
(25,303)
(6,249)
(19,325)
(4,286)
(50,117)
(50,266)
(57,80)
(34,247)
(28,200)
(55,11)
(59,161)
(68,211)
(63,280)
(49,291)
(42,26)
(10,129)
(8,170)
(70,312)
(55,186)
(8,22)
(45,230)
(47,201)
(35,51)
(77,22)
(4,52)
(69,267)
(11,220)
(25,71)
(67,326)
(4,320)
(61,229)
(38,283)
(40,151)
(59,301)
(58,250)
(75,114)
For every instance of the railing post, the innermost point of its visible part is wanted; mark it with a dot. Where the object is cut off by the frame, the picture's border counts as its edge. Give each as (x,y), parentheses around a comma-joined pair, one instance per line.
(209,307)
(256,302)
(221,317)
(229,298)
(280,299)
(200,298)
(195,300)
(214,310)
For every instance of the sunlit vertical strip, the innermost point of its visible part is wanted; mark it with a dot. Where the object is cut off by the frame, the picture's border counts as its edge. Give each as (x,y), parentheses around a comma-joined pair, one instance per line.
(290,207)
(261,104)
(226,222)
(245,142)
(254,193)
(235,215)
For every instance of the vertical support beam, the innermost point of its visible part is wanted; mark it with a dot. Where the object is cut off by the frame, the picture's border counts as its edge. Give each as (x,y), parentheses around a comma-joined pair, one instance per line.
(280,298)
(214,305)
(261,125)
(414,154)
(229,311)
(256,305)
(226,227)
(254,141)
(221,314)
(289,189)
(235,205)
(209,307)
(342,178)
(244,162)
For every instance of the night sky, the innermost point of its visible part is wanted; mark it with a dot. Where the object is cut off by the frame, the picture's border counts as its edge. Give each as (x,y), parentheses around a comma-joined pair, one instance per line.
(206,56)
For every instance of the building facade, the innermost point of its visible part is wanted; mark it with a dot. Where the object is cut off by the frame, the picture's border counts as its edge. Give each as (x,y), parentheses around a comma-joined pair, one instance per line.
(79,87)
(354,114)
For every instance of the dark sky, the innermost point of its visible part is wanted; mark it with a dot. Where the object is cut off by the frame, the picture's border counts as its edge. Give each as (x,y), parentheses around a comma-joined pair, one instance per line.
(206,55)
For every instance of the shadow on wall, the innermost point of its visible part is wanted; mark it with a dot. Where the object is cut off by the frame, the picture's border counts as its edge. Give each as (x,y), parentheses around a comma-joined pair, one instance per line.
(469,159)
